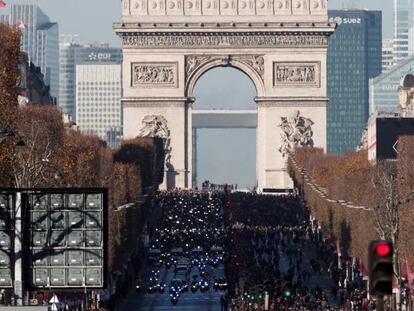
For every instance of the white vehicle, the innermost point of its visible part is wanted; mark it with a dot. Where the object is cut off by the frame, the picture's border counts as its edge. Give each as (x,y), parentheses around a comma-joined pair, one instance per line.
(241,190)
(275,191)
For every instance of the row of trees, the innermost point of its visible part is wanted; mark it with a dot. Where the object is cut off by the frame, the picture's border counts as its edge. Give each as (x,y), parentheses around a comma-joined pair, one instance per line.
(375,199)
(55,155)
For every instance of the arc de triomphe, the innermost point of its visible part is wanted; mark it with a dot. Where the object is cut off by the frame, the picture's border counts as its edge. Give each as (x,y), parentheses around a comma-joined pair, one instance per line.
(280,44)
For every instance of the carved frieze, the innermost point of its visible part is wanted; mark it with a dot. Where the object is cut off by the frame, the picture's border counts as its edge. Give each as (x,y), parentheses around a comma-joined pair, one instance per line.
(225,7)
(195,61)
(296,131)
(254,61)
(157,126)
(291,74)
(153,74)
(222,40)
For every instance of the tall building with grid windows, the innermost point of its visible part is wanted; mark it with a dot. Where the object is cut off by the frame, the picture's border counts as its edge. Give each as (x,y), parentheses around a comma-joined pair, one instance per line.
(4,18)
(40,41)
(354,56)
(383,90)
(98,97)
(403,29)
(73,53)
(387,54)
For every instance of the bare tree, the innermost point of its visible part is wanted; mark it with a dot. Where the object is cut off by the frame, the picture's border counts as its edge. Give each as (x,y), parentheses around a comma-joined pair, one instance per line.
(386,211)
(41,128)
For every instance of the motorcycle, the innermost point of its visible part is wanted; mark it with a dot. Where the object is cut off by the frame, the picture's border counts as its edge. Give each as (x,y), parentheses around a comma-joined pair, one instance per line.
(174,299)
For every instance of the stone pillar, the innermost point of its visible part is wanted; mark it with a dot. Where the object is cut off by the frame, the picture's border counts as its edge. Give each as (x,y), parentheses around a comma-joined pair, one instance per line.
(271,160)
(194,162)
(175,113)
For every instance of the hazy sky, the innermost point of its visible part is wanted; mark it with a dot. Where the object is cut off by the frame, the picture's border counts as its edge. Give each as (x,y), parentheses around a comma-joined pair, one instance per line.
(92,19)
(224,155)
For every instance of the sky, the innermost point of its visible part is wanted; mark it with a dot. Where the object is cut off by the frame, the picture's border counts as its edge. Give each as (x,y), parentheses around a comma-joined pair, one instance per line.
(232,149)
(92,19)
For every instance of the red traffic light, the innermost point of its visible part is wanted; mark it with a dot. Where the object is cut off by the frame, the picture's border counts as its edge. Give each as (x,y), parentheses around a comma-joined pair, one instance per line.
(383,249)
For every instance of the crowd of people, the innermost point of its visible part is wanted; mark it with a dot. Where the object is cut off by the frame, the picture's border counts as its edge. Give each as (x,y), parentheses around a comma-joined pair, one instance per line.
(186,245)
(279,252)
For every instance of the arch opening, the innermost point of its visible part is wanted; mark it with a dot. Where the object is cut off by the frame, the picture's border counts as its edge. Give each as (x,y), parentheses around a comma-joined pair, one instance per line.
(224,128)
(227,62)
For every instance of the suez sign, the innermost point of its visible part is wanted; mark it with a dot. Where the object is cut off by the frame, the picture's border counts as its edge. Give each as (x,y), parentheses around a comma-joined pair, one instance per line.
(345,20)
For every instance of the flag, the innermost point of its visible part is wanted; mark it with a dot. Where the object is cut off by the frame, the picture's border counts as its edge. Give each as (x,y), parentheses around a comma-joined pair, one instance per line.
(20,24)
(2,4)
(410,274)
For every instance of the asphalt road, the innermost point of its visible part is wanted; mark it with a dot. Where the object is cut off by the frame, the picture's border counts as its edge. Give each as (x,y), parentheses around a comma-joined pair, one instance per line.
(207,301)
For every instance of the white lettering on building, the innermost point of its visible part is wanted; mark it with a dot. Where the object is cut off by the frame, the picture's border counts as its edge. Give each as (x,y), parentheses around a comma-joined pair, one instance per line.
(345,20)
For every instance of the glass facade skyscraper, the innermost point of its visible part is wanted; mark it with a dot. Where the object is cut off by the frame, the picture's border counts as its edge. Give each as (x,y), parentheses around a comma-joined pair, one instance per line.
(40,41)
(387,54)
(354,56)
(383,90)
(72,54)
(403,29)
(4,18)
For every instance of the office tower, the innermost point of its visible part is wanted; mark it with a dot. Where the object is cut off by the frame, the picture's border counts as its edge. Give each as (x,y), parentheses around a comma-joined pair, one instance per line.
(73,53)
(40,41)
(98,97)
(403,29)
(387,54)
(354,56)
(383,90)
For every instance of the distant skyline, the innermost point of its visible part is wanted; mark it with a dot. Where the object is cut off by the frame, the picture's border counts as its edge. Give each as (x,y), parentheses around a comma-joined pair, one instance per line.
(92,19)
(225,155)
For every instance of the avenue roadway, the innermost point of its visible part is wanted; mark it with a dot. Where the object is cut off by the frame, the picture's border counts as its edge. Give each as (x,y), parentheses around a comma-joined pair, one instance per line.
(207,301)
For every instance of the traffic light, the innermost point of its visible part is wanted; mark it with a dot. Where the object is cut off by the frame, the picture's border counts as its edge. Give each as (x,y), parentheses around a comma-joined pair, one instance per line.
(287,287)
(380,267)
(287,293)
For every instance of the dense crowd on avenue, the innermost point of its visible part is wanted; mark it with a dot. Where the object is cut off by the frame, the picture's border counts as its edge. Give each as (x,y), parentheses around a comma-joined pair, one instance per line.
(278,252)
(256,252)
(186,245)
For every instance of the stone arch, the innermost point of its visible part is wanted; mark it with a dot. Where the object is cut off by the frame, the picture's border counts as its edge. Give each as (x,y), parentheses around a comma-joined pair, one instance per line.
(281,47)
(244,63)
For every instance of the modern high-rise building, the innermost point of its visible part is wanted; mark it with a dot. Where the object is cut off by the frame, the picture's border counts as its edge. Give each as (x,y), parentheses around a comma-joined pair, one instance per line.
(71,54)
(403,29)
(383,90)
(4,18)
(40,41)
(98,97)
(354,56)
(411,29)
(387,54)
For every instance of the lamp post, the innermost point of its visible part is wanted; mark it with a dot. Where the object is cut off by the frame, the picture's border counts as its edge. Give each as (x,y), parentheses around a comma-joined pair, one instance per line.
(6,134)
